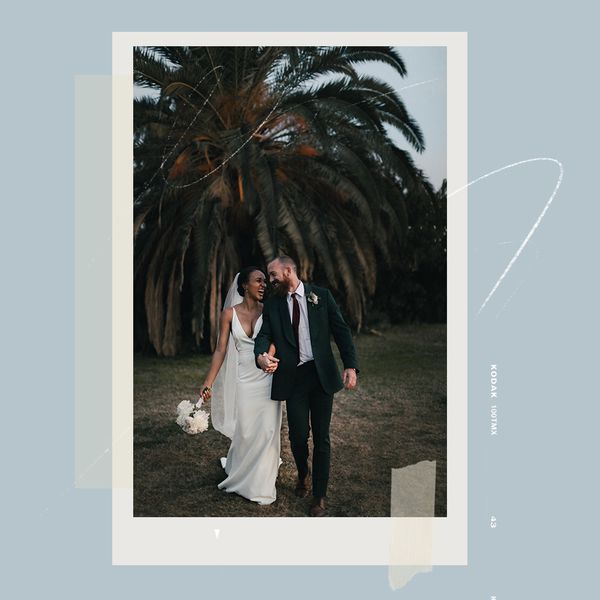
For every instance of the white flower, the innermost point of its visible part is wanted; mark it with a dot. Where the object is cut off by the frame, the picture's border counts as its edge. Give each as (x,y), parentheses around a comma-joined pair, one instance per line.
(197,423)
(313,298)
(185,406)
(190,418)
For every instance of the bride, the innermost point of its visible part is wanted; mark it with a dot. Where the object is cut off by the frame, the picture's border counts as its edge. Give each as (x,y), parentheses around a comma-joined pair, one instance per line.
(240,394)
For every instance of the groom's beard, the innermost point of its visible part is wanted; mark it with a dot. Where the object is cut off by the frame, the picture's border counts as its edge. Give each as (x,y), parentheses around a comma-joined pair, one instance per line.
(280,288)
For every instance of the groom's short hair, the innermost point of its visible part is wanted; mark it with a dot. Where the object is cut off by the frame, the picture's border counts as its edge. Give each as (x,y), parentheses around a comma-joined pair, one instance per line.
(286,261)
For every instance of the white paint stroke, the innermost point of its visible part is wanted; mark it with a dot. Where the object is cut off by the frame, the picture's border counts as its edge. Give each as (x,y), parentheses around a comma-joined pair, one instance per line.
(535,225)
(508,301)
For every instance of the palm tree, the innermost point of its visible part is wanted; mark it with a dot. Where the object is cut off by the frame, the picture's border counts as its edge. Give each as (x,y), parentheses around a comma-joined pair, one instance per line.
(248,153)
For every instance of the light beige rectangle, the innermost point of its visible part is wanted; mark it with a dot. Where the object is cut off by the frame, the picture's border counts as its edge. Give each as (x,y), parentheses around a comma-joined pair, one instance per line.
(93,280)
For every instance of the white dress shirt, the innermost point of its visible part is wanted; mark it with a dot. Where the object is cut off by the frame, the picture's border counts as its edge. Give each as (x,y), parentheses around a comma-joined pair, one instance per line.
(306,352)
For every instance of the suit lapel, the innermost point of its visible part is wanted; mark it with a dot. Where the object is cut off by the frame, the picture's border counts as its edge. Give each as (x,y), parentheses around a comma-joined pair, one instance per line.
(287,323)
(309,310)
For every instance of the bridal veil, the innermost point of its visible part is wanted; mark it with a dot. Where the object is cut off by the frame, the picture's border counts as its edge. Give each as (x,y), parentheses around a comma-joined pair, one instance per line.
(223,401)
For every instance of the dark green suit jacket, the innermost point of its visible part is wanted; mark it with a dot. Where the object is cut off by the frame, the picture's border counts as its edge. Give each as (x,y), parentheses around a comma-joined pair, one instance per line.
(324,320)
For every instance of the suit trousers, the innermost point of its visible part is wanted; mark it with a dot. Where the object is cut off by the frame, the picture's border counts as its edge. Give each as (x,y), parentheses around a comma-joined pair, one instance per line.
(309,406)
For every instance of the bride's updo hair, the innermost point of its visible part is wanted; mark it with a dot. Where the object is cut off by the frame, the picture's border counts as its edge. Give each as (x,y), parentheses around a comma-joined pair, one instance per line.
(244,277)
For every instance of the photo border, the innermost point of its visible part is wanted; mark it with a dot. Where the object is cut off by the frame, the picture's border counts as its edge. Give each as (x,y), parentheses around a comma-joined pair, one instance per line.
(271,540)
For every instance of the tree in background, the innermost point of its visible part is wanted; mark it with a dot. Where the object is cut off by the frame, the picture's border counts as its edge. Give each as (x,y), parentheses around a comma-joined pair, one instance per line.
(415,291)
(248,153)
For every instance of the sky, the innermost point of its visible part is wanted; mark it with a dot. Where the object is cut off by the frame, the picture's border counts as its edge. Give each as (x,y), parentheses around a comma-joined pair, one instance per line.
(426,103)
(423,92)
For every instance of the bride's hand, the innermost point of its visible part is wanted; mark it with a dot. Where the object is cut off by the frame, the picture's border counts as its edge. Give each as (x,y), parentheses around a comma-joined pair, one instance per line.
(267,363)
(206,392)
(273,366)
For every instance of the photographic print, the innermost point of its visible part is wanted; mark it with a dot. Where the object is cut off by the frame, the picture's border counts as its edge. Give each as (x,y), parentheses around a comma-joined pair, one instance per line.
(294,293)
(297,167)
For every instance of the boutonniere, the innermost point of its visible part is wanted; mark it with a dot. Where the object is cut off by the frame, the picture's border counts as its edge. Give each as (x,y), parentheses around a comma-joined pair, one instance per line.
(313,298)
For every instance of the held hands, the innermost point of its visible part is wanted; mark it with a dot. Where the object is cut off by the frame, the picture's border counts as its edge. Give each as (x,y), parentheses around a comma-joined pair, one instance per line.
(349,378)
(267,362)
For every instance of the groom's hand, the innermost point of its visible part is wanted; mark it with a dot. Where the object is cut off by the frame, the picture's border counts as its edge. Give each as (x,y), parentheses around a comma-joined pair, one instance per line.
(267,362)
(349,378)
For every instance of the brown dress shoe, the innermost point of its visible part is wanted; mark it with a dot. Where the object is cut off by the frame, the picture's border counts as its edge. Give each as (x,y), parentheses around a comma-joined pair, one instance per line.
(303,487)
(318,507)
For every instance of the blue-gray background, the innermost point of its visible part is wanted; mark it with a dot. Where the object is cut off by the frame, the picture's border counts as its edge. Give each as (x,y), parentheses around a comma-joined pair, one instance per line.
(532,92)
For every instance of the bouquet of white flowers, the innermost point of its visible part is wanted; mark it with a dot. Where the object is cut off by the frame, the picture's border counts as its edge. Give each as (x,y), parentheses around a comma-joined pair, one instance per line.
(191,418)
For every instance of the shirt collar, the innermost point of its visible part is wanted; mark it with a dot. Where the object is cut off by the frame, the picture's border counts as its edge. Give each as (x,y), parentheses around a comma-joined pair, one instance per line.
(299,290)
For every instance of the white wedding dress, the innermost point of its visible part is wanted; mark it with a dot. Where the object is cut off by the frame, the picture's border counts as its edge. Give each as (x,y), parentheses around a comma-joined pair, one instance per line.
(253,460)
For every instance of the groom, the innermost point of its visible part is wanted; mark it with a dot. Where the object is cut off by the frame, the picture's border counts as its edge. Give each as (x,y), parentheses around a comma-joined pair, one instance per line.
(299,319)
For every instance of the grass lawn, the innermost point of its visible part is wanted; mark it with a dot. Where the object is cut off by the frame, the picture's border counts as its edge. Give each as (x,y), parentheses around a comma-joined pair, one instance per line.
(394,418)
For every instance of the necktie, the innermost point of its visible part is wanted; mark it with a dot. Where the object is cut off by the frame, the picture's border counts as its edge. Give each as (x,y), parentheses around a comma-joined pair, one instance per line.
(295,324)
